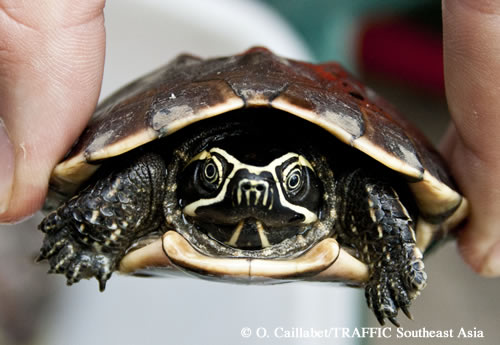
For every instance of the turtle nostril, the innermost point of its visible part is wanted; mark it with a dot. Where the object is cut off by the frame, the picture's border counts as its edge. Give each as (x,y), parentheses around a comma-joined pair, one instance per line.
(246,186)
(260,188)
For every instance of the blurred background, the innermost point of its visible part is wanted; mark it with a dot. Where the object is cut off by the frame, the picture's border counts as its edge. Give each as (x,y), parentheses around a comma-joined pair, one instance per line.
(395,46)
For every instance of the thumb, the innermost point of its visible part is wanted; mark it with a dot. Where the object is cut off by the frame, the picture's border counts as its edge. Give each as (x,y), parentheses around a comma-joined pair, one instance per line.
(51,63)
(472,73)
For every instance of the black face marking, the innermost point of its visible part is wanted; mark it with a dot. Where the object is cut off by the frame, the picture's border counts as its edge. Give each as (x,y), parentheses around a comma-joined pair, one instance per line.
(248,206)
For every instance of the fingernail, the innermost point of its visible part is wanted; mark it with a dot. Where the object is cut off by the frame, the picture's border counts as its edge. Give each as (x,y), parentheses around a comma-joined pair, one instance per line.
(6,167)
(491,267)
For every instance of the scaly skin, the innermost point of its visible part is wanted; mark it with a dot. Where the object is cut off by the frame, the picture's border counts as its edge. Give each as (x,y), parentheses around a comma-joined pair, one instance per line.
(378,226)
(88,235)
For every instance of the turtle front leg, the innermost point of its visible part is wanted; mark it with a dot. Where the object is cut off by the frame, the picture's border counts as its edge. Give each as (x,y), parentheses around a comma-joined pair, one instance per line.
(378,226)
(89,234)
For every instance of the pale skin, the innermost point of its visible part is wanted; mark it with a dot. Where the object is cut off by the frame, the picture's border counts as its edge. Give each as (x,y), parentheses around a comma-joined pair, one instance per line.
(51,63)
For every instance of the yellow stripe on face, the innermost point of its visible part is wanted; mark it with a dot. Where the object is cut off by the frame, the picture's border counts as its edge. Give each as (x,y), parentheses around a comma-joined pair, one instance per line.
(236,234)
(309,216)
(262,235)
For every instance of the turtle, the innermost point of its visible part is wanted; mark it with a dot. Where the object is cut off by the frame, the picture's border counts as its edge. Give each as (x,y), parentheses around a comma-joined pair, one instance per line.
(255,169)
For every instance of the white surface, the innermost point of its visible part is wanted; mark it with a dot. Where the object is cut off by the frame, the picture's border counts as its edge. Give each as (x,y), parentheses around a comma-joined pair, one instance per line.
(142,35)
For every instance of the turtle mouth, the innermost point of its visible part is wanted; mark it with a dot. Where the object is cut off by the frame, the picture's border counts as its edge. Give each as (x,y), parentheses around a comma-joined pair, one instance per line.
(252,238)
(251,233)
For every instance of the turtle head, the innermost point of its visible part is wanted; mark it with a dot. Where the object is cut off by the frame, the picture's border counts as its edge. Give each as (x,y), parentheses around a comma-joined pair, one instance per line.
(250,206)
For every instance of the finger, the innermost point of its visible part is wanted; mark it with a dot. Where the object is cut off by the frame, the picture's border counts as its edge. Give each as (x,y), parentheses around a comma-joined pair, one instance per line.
(471,31)
(51,62)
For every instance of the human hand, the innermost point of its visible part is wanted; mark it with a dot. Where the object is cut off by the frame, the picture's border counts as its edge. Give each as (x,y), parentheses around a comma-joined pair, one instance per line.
(51,64)
(472,145)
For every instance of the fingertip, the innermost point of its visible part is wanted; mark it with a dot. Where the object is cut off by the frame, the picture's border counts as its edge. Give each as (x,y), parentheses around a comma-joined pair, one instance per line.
(481,255)
(49,85)
(491,263)
(30,201)
(467,251)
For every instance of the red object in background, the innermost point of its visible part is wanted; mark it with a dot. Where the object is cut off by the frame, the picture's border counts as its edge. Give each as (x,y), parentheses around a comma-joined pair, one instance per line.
(401,50)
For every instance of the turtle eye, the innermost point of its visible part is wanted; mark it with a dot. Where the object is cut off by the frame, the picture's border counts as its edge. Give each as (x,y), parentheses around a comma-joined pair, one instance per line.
(294,180)
(210,172)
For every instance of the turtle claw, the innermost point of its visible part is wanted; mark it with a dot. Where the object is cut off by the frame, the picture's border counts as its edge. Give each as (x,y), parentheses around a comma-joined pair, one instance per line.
(407,312)
(39,259)
(394,321)
(68,257)
(388,292)
(102,283)
(386,296)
